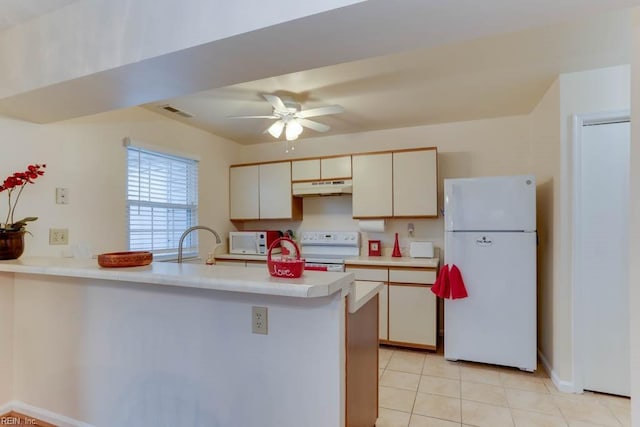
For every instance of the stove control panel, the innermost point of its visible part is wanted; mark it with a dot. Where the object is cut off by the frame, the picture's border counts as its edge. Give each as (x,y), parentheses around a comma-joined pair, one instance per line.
(332,238)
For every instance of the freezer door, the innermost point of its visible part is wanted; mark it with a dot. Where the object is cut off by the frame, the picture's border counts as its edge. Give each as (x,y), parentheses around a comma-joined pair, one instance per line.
(497,322)
(493,203)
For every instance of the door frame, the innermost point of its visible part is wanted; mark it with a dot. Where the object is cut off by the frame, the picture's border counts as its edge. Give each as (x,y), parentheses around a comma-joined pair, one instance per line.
(579,337)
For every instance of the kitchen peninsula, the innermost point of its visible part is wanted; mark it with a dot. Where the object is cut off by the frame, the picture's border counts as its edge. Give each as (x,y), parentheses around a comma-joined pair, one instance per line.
(172,344)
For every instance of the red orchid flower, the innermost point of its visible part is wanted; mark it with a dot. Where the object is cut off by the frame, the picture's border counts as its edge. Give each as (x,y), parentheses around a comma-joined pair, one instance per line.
(18,181)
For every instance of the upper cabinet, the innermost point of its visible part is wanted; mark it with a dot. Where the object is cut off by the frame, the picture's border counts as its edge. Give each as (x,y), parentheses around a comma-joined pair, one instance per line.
(335,167)
(415,183)
(372,185)
(305,170)
(321,168)
(262,192)
(395,184)
(275,191)
(389,184)
(244,192)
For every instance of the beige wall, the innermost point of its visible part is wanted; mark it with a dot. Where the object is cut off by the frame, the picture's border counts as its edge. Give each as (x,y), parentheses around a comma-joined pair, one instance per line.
(6,338)
(545,161)
(86,155)
(634,249)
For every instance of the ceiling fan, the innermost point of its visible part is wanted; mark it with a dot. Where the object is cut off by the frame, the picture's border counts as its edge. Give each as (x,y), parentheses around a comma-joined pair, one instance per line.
(292,118)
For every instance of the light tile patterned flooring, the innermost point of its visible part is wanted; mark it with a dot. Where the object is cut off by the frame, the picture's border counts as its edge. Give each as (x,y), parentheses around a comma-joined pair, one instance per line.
(420,389)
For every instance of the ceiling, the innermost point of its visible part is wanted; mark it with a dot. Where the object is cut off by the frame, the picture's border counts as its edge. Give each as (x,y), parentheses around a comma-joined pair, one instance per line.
(482,78)
(453,61)
(17,11)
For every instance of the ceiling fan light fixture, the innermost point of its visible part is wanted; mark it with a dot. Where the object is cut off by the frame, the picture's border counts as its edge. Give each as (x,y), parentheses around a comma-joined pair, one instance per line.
(293,130)
(275,130)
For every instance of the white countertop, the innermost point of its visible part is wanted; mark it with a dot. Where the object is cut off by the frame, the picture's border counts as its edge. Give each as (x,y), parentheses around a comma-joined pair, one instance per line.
(215,277)
(388,261)
(361,293)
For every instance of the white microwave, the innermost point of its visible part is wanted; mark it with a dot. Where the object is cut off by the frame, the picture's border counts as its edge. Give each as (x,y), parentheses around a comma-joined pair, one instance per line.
(252,242)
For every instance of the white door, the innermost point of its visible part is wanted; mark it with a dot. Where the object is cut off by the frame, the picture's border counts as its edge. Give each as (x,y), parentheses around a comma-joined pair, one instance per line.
(496,323)
(602,256)
(505,203)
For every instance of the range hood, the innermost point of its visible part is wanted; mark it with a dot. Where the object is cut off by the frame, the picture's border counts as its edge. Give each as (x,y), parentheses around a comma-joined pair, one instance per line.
(322,188)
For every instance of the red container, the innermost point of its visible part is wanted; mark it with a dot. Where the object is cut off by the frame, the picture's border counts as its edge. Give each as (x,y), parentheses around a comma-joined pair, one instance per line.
(286,267)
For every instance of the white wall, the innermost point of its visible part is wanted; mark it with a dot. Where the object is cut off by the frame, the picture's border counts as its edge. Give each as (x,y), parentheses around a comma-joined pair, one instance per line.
(634,223)
(475,148)
(6,338)
(130,354)
(86,155)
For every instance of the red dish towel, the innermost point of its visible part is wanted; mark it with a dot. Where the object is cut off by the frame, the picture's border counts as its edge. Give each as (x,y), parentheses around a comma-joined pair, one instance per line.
(458,290)
(441,287)
(449,283)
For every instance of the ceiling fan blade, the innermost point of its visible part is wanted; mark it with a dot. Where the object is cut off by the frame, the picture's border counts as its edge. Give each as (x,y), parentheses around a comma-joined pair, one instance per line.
(252,117)
(275,101)
(318,127)
(321,111)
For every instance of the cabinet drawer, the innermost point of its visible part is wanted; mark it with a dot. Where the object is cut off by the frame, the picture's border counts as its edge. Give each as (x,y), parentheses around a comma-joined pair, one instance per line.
(376,274)
(419,276)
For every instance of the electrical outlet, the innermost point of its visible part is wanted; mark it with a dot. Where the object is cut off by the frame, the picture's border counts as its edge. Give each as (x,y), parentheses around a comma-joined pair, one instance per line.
(58,236)
(259,321)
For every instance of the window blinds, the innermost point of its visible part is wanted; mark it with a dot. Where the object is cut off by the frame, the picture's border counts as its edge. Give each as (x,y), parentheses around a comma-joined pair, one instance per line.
(162,201)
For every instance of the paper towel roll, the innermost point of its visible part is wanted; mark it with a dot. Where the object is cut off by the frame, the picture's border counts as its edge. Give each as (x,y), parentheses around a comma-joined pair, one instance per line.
(371,225)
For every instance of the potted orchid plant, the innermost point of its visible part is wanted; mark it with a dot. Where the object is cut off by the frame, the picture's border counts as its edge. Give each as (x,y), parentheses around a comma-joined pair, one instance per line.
(11,231)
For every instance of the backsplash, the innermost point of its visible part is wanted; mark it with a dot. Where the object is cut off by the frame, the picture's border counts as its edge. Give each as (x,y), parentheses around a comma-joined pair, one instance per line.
(334,214)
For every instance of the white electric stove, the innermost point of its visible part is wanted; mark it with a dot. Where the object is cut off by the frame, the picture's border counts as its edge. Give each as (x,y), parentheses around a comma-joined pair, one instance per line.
(327,250)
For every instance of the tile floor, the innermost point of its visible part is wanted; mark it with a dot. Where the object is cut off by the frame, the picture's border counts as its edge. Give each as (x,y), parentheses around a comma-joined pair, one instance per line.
(421,389)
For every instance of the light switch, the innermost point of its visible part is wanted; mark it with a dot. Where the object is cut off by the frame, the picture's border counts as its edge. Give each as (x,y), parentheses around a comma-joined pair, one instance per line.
(62,196)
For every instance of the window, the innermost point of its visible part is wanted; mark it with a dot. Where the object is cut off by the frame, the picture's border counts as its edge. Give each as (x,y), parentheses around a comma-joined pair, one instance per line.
(162,202)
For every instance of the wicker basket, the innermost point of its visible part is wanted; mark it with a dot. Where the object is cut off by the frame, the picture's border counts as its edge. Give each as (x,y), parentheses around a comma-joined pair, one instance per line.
(286,267)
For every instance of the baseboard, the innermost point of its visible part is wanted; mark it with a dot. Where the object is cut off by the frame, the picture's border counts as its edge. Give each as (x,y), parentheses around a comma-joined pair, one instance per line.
(563,386)
(41,414)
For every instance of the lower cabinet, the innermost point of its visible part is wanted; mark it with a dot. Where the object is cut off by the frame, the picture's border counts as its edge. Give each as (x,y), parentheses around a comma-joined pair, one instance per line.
(408,308)
(412,315)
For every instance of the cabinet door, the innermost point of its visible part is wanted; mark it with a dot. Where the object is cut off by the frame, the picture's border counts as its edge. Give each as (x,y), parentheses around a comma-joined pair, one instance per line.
(336,167)
(415,181)
(275,190)
(372,185)
(412,315)
(244,192)
(305,170)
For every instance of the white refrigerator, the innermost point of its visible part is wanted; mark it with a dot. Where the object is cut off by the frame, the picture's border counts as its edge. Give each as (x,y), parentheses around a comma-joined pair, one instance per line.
(490,235)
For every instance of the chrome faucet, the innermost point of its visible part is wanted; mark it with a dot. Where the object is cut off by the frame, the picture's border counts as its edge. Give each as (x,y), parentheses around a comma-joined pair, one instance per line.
(189,230)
